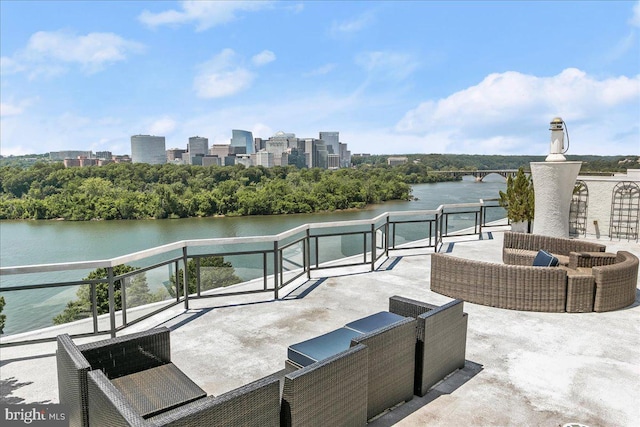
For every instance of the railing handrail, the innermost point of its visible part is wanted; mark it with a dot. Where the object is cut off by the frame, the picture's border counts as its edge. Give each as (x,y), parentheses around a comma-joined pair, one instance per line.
(179,245)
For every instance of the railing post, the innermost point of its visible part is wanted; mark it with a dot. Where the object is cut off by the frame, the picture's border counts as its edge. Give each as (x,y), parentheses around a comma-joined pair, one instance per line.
(393,235)
(94,307)
(123,300)
(373,247)
(112,303)
(386,237)
(364,247)
(264,271)
(307,254)
(275,269)
(176,267)
(198,273)
(185,278)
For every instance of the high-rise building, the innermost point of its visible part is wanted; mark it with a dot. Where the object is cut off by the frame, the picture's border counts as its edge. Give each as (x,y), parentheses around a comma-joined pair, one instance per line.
(263,158)
(242,139)
(333,161)
(196,147)
(332,140)
(148,149)
(220,150)
(320,154)
(259,144)
(211,161)
(345,156)
(297,158)
(174,154)
(277,147)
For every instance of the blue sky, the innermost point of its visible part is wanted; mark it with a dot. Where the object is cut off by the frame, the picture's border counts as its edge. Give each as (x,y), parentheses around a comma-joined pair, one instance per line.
(392,77)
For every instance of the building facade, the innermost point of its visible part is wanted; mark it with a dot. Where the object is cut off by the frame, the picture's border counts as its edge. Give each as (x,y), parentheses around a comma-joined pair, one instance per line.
(196,147)
(242,142)
(263,158)
(332,141)
(148,149)
(69,154)
(174,154)
(220,150)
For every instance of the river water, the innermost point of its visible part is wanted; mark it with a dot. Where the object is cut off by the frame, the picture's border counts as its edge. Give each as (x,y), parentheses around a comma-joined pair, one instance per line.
(43,242)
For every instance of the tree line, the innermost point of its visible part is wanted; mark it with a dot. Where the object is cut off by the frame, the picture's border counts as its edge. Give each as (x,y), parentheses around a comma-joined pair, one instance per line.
(590,163)
(48,190)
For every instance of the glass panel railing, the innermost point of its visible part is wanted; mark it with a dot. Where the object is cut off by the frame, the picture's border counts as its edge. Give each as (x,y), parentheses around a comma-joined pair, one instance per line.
(56,310)
(146,293)
(227,274)
(35,295)
(292,261)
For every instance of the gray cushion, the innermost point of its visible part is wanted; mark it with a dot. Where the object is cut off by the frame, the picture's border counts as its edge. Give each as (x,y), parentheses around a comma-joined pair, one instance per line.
(545,259)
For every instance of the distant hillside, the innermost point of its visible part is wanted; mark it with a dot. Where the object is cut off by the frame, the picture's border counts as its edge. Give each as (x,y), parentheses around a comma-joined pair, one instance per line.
(472,161)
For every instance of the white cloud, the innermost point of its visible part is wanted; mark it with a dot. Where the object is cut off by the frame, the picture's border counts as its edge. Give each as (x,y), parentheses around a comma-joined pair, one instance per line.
(621,48)
(263,58)
(635,18)
(28,133)
(49,53)
(295,8)
(500,98)
(7,109)
(9,66)
(162,126)
(499,114)
(393,65)
(352,26)
(320,71)
(222,77)
(205,14)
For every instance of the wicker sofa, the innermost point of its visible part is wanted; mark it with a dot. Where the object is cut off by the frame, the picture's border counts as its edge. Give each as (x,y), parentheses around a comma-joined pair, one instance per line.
(441,339)
(255,404)
(551,289)
(391,365)
(87,375)
(521,248)
(330,392)
(615,282)
(389,372)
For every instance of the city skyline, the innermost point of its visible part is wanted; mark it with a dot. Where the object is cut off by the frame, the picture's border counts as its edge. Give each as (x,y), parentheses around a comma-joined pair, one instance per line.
(392,77)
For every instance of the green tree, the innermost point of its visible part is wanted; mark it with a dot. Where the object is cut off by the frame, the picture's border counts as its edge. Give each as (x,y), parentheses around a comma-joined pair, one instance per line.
(215,272)
(519,199)
(80,308)
(3,317)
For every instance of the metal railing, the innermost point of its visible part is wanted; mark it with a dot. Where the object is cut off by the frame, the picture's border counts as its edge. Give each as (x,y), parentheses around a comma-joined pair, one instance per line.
(274,262)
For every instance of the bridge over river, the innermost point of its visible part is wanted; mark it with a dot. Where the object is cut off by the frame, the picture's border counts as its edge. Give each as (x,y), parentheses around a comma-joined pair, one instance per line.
(480,174)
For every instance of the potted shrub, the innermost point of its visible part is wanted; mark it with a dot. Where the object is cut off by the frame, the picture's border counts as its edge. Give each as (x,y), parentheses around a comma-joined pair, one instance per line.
(518,200)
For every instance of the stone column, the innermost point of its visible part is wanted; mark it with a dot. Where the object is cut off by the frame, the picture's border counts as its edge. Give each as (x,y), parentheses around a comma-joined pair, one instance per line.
(553,184)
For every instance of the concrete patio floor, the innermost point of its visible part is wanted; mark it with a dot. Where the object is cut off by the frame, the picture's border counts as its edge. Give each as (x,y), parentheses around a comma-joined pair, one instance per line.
(534,369)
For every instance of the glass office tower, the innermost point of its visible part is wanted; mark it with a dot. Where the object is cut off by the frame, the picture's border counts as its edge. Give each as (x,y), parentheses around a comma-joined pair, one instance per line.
(242,139)
(148,149)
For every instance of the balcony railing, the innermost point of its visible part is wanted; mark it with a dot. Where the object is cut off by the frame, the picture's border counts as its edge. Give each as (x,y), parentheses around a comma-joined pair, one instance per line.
(242,265)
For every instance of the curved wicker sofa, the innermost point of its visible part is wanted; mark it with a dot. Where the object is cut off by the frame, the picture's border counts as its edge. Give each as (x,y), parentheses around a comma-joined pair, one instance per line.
(549,289)
(616,283)
(521,248)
